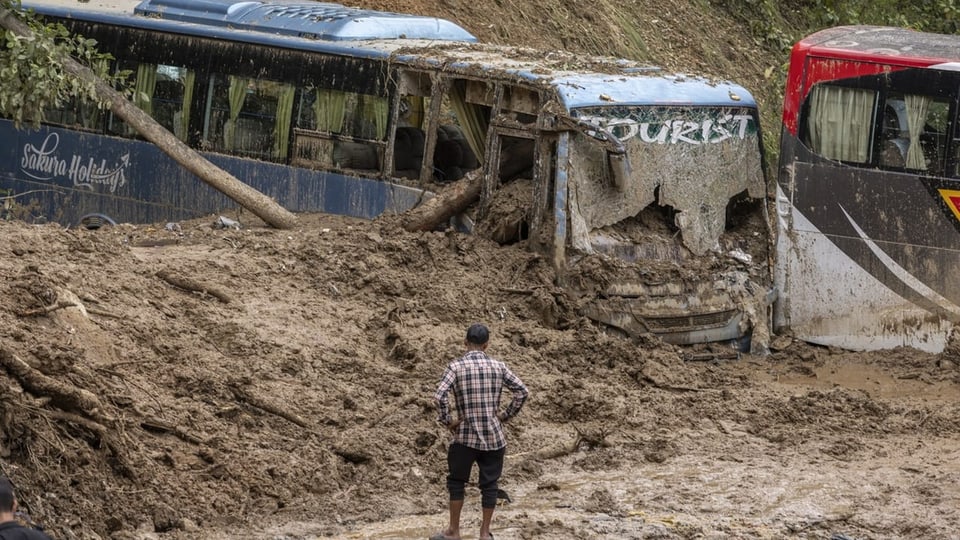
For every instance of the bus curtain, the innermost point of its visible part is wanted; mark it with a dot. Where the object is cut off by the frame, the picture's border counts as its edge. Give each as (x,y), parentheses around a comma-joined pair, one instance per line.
(145,86)
(328,109)
(238,93)
(375,109)
(841,121)
(917,107)
(281,130)
(183,123)
(472,121)
(416,105)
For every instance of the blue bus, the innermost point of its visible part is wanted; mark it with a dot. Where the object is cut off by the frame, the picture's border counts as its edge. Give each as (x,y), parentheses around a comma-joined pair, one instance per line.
(638,184)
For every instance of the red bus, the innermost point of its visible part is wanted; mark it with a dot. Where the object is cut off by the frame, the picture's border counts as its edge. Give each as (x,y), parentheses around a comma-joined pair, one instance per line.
(868,195)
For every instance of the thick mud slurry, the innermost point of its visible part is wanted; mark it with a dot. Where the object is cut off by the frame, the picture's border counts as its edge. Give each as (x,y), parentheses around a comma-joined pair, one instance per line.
(254,383)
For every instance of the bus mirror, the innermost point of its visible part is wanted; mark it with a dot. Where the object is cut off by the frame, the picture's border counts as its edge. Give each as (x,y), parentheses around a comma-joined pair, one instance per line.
(620,167)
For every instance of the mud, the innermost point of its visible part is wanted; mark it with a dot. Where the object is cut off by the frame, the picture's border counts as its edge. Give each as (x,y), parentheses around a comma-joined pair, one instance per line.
(282,390)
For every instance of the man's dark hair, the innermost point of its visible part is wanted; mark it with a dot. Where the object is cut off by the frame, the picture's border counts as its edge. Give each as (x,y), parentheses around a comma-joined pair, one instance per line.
(6,495)
(477,334)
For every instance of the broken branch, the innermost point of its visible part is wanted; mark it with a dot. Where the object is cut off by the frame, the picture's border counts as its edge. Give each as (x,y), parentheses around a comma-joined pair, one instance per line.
(190,285)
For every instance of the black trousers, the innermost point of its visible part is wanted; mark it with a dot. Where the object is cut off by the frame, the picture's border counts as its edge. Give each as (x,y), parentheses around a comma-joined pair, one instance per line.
(460,460)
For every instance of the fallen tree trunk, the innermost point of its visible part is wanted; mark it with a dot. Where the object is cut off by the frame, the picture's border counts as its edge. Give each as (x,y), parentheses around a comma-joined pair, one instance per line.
(453,200)
(259,204)
(62,395)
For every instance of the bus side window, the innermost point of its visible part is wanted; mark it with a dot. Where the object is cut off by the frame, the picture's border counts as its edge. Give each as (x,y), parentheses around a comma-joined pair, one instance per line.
(894,137)
(917,125)
(955,150)
(336,129)
(462,133)
(249,117)
(165,92)
(77,113)
(839,123)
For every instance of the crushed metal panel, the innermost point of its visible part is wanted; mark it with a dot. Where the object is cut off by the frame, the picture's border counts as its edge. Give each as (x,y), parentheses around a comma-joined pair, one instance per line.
(480,93)
(521,100)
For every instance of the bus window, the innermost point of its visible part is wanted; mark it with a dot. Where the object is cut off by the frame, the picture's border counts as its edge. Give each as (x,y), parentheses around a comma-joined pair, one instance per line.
(894,135)
(840,122)
(955,150)
(165,92)
(917,126)
(249,117)
(76,113)
(410,138)
(462,133)
(336,129)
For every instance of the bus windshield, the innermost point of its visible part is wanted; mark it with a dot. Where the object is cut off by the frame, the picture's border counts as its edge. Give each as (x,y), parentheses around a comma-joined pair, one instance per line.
(691,159)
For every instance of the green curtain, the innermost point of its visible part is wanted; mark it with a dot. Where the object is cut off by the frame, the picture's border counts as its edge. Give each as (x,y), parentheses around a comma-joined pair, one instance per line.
(145,86)
(375,109)
(329,109)
(238,92)
(473,123)
(416,110)
(188,81)
(281,129)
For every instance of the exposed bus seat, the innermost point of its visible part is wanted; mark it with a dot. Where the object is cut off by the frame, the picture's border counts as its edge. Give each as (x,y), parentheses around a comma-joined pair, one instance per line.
(894,152)
(355,155)
(516,159)
(453,156)
(408,152)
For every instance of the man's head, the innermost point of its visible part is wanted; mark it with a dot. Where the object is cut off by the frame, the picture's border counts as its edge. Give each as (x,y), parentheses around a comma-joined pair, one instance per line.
(8,501)
(477,335)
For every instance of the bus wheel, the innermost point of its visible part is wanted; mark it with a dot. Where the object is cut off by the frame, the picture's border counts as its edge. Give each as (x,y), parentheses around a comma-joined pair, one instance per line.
(93,222)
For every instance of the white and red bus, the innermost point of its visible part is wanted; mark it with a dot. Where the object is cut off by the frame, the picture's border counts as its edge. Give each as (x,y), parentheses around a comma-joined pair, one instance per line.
(868,201)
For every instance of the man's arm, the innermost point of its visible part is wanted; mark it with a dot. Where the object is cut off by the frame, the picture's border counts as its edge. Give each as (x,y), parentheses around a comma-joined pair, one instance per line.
(441,396)
(520,394)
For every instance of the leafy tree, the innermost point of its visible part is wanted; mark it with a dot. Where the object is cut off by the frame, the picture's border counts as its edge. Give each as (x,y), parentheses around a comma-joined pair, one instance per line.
(32,70)
(43,65)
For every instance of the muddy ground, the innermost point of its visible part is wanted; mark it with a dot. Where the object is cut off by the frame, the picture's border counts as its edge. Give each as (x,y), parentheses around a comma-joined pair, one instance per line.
(201,382)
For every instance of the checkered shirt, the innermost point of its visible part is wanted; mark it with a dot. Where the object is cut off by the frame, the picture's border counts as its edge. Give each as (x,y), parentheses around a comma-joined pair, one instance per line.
(477,381)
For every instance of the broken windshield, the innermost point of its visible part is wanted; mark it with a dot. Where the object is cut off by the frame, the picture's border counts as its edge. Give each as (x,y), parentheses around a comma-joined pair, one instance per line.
(690,159)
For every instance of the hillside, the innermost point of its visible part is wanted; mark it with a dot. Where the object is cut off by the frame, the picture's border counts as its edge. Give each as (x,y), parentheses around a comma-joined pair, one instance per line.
(192,382)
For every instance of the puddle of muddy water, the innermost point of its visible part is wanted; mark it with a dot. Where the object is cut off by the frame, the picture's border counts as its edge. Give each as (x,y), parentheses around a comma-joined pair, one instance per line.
(873,380)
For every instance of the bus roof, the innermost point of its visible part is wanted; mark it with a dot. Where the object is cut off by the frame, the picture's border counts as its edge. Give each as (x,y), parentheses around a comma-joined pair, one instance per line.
(884,44)
(578,81)
(312,20)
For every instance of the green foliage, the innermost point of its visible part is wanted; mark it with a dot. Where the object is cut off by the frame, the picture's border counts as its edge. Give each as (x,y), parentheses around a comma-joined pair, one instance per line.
(31,67)
(941,16)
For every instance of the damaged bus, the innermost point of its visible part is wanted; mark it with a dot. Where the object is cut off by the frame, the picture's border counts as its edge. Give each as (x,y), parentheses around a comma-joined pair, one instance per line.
(868,197)
(645,189)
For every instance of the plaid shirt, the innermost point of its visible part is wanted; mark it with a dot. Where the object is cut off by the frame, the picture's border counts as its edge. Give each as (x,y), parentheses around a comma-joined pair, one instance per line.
(477,381)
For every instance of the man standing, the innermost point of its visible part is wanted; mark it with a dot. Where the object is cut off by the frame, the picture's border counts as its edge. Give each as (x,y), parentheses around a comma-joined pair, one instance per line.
(476,381)
(10,528)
